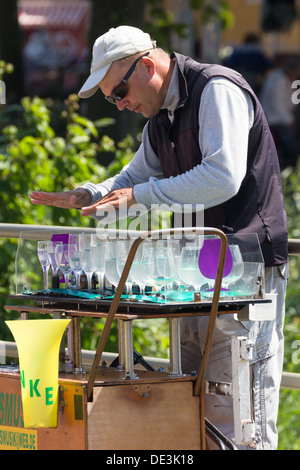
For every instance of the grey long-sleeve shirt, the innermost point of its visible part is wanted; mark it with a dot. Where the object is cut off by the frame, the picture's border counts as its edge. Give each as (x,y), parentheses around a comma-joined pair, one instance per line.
(225,118)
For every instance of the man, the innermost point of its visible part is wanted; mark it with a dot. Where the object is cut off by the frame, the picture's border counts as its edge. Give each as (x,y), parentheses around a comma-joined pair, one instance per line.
(250,60)
(206,142)
(281,112)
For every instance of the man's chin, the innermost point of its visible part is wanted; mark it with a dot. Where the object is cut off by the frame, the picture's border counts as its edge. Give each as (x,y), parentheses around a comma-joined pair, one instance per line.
(148,114)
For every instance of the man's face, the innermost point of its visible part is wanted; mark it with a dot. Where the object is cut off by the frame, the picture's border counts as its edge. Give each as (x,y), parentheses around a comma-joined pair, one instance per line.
(144,86)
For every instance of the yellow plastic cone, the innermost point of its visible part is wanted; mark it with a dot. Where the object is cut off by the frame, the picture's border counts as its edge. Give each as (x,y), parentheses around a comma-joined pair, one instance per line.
(38,343)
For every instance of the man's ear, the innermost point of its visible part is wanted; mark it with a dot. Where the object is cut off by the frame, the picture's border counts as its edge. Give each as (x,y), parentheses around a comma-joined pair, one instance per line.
(149,64)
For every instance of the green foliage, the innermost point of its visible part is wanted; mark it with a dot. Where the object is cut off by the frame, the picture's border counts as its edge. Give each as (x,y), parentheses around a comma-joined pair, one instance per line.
(150,337)
(220,11)
(288,421)
(35,156)
(5,68)
(290,180)
(162,23)
(122,156)
(289,412)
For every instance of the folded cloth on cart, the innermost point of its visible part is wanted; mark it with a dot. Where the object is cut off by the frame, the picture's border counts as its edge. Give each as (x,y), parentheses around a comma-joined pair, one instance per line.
(63,293)
(172,296)
(86,295)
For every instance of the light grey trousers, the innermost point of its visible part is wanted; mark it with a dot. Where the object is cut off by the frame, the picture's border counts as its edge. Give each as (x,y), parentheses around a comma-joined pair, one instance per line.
(266,367)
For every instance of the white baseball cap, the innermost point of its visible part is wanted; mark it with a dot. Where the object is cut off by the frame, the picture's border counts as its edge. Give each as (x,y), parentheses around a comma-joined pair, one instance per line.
(116,44)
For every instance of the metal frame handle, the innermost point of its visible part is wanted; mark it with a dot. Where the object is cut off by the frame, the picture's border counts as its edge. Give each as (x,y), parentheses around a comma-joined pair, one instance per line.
(115,302)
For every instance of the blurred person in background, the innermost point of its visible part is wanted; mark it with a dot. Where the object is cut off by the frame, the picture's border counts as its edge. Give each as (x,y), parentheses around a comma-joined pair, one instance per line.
(276,100)
(250,61)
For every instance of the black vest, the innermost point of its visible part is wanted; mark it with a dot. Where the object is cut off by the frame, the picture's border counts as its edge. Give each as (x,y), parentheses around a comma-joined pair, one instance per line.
(258,207)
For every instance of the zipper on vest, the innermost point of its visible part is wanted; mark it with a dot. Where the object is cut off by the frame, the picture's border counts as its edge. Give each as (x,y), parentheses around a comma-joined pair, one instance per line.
(225,227)
(173,145)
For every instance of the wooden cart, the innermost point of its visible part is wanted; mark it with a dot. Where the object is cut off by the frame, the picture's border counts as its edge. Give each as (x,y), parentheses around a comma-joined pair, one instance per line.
(119,408)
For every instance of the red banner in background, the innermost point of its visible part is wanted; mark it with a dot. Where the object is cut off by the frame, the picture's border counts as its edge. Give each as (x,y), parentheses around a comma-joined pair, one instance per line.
(56,50)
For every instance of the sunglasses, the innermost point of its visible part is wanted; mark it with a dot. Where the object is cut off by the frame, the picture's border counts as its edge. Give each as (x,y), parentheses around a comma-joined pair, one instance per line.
(121,90)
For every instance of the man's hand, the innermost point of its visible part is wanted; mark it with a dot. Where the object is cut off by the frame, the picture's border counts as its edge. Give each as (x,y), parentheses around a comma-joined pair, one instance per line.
(75,199)
(113,200)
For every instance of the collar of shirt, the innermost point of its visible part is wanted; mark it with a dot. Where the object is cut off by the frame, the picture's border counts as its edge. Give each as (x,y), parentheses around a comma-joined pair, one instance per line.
(172,96)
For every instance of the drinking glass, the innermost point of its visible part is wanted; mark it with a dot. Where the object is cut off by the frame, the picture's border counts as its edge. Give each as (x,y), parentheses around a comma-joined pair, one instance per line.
(75,263)
(58,251)
(85,253)
(122,250)
(159,267)
(99,247)
(54,258)
(176,248)
(237,267)
(188,268)
(176,245)
(209,262)
(44,260)
(136,270)
(63,261)
(110,263)
(147,266)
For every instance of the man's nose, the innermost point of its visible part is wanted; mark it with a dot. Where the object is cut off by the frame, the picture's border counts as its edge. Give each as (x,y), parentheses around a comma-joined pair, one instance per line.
(121,105)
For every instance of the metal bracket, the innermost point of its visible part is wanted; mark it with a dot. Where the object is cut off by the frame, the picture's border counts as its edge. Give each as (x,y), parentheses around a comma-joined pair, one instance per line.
(239,390)
(61,401)
(259,312)
(244,426)
(218,388)
(175,355)
(128,350)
